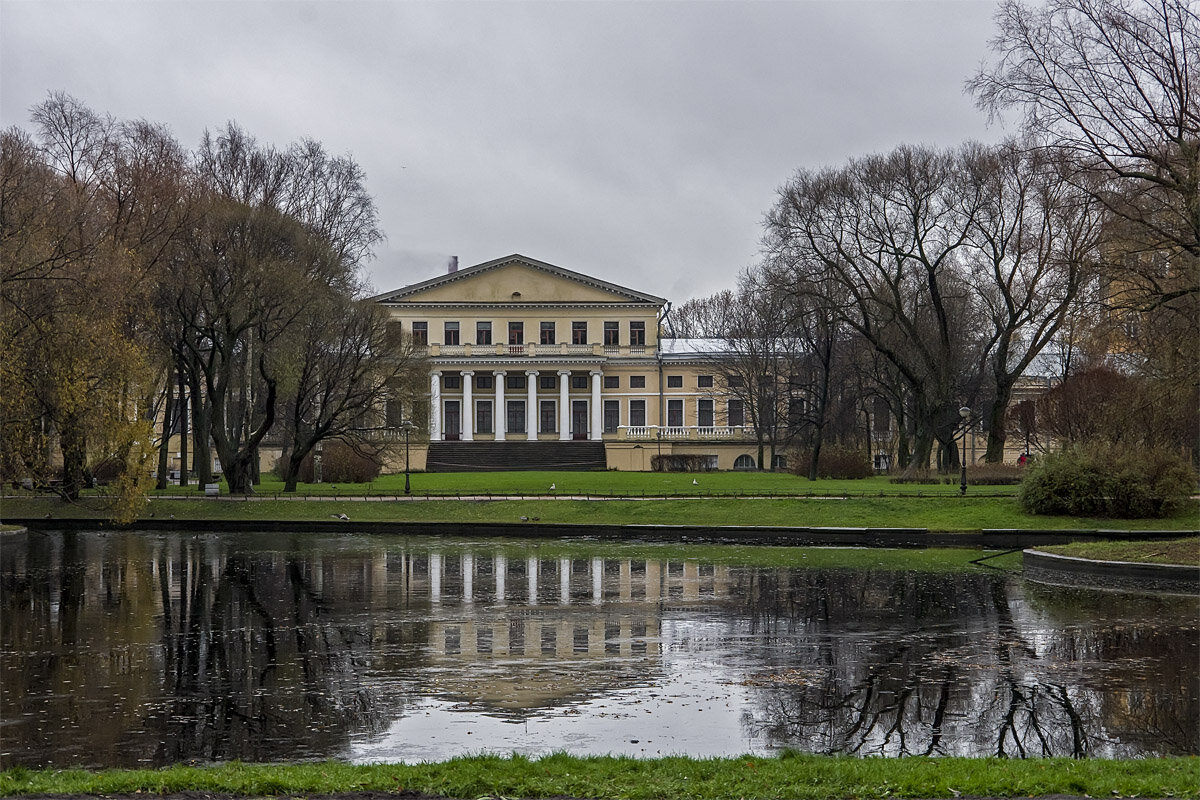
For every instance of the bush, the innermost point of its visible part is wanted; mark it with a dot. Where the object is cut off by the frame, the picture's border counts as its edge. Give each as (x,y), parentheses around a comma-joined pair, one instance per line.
(1106,482)
(842,463)
(341,463)
(977,475)
(681,463)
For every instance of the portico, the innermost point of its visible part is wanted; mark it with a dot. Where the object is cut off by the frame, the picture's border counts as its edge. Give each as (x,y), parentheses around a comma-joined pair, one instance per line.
(502,401)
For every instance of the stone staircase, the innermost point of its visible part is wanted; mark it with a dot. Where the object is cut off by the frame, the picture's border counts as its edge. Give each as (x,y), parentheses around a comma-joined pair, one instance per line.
(515,456)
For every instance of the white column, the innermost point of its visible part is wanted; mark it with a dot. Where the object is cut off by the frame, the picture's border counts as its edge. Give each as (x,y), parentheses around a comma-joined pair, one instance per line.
(435,577)
(468,412)
(564,404)
(564,581)
(597,581)
(468,573)
(531,413)
(435,406)
(531,580)
(597,407)
(500,570)
(500,412)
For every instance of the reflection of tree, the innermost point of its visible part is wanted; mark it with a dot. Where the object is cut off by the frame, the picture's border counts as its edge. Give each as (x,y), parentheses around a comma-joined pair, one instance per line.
(903,664)
(128,650)
(258,669)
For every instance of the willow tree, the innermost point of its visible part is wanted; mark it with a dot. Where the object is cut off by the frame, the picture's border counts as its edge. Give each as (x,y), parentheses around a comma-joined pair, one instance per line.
(89,209)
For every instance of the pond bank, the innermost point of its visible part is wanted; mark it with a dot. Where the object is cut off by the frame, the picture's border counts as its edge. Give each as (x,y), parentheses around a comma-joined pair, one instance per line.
(1063,570)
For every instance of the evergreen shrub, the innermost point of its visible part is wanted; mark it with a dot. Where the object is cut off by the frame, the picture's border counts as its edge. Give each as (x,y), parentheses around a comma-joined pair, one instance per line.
(1104,481)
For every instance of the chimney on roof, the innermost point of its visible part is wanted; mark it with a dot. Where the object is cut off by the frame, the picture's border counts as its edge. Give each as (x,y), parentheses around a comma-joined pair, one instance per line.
(452,267)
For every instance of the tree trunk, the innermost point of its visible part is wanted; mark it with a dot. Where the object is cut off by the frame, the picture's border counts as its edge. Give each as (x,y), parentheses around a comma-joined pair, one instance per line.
(183,432)
(291,469)
(814,458)
(202,458)
(997,432)
(238,473)
(73,443)
(164,446)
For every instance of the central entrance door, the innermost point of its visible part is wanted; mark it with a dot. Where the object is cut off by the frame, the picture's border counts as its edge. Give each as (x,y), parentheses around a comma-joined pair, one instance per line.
(579,419)
(453,421)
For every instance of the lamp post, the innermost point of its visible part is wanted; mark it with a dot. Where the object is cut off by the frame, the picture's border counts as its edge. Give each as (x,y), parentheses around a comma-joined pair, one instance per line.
(965,413)
(407,427)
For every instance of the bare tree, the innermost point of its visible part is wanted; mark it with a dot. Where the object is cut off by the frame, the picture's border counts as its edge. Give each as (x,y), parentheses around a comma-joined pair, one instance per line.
(891,230)
(1113,84)
(348,364)
(1034,243)
(702,317)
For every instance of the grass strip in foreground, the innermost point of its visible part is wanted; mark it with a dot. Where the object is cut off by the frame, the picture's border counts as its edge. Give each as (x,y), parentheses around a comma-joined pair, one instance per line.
(786,776)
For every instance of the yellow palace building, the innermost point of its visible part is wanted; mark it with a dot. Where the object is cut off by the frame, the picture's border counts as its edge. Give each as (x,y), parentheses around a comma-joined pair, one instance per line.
(533,366)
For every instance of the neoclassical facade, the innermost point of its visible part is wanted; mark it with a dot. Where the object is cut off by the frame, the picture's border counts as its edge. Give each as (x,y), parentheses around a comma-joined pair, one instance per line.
(525,351)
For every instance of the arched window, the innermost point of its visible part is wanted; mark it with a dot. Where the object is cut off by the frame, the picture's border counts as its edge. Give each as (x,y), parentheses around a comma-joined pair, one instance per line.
(744,462)
(780,462)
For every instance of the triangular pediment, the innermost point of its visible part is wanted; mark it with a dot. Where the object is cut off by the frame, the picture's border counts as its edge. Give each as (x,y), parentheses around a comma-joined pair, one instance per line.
(515,279)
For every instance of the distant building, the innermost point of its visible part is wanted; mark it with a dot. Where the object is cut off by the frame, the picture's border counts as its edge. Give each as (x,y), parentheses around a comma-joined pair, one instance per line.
(536,366)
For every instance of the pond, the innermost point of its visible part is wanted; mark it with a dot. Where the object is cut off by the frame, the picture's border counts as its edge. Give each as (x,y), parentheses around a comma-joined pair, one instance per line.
(139,649)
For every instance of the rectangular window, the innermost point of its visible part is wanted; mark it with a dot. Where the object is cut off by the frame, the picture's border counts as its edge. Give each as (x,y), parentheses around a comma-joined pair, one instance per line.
(579,381)
(452,381)
(735,381)
(548,419)
(737,413)
(795,411)
(483,333)
(547,329)
(579,333)
(484,382)
(674,413)
(612,415)
(451,333)
(395,332)
(420,333)
(704,413)
(612,333)
(394,413)
(547,382)
(637,333)
(516,333)
(516,416)
(483,416)
(704,381)
(515,382)
(674,381)
(637,413)
(637,381)
(612,381)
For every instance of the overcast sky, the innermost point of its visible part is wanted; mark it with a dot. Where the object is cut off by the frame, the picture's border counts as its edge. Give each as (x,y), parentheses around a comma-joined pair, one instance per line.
(638,142)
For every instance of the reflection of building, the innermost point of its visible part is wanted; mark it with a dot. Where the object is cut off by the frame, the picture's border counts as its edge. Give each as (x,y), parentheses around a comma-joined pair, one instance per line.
(527,352)
(555,625)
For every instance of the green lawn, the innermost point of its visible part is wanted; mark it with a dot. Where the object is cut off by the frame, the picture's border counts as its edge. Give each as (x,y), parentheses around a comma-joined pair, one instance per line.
(625,484)
(788,776)
(935,513)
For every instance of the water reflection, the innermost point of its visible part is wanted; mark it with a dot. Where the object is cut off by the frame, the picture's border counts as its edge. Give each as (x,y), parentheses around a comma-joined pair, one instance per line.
(126,649)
